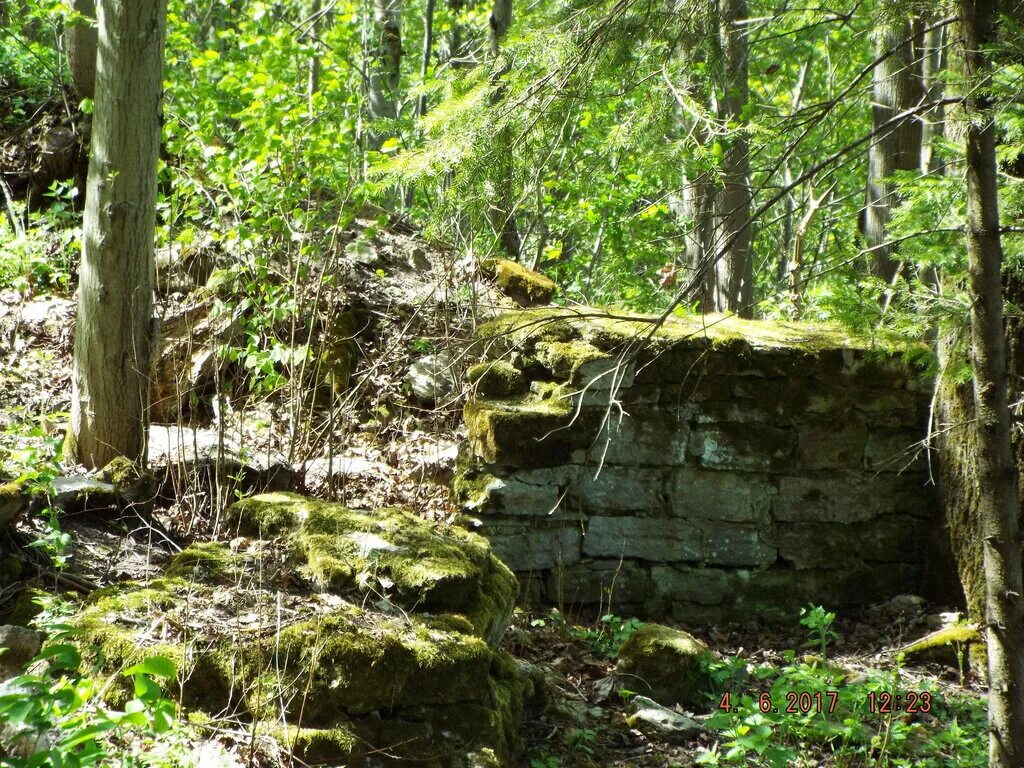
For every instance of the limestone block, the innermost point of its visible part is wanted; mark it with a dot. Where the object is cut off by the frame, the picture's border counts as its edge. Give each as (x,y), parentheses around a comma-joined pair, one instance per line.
(604,374)
(895,450)
(736,545)
(612,583)
(750,447)
(511,496)
(892,539)
(816,545)
(707,586)
(653,437)
(636,395)
(655,539)
(619,489)
(523,546)
(736,410)
(847,497)
(828,444)
(710,495)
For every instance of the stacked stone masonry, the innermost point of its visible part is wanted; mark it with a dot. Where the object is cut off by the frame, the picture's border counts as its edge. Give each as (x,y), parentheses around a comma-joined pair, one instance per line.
(722,469)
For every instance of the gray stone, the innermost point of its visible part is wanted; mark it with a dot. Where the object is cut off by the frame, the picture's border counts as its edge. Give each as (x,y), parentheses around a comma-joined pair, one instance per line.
(892,539)
(661,723)
(707,586)
(701,494)
(658,439)
(895,451)
(847,497)
(619,489)
(654,539)
(511,496)
(431,378)
(750,447)
(22,644)
(612,584)
(730,544)
(816,545)
(81,492)
(525,547)
(824,444)
(604,374)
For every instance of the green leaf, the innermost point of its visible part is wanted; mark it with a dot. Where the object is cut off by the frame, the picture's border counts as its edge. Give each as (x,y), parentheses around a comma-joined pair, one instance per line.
(157,666)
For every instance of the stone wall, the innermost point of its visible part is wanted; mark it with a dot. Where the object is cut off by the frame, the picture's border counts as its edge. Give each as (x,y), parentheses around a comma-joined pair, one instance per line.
(735,469)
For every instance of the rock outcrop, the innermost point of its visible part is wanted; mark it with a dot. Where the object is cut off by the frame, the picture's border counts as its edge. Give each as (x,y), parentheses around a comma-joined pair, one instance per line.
(391,661)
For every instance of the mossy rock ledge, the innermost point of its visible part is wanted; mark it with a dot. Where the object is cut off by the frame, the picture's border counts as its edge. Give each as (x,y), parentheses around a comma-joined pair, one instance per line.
(392,662)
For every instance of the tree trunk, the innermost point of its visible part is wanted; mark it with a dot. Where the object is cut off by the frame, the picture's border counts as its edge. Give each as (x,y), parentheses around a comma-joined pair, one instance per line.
(385,67)
(81,40)
(896,88)
(113,334)
(428,46)
(502,210)
(735,267)
(998,507)
(498,24)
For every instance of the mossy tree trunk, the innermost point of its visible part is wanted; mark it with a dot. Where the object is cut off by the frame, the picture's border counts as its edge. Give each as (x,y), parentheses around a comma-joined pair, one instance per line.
(113,330)
(998,508)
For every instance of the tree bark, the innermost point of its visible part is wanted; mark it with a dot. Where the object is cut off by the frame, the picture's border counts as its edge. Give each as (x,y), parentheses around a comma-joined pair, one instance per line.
(502,211)
(999,506)
(896,87)
(498,24)
(428,46)
(385,68)
(735,267)
(113,334)
(81,41)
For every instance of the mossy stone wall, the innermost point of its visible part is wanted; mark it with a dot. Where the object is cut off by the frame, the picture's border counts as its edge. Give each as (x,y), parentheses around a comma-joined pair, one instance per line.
(724,468)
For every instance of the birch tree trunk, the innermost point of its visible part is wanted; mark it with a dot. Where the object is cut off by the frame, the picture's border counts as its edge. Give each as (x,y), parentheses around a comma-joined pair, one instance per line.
(385,67)
(999,507)
(113,333)
(896,87)
(81,41)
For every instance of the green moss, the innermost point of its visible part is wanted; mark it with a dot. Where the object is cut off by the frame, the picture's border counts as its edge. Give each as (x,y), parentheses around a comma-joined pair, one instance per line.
(109,636)
(318,745)
(520,284)
(209,561)
(947,637)
(129,481)
(471,486)
(361,667)
(268,514)
(666,664)
(509,432)
(496,378)
(606,332)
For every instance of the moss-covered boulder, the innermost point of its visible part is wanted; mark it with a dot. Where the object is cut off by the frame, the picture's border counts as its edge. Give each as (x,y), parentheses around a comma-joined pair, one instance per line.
(349,682)
(388,553)
(665,664)
(524,286)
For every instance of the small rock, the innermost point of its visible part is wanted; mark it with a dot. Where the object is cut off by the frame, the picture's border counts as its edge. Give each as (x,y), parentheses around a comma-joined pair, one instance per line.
(431,378)
(22,644)
(661,723)
(666,664)
(79,492)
